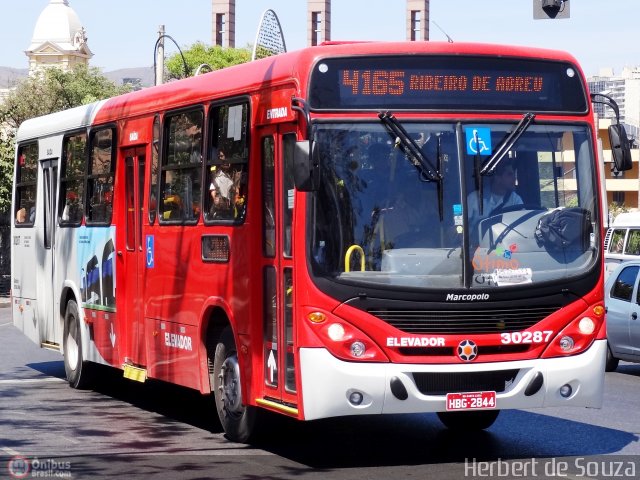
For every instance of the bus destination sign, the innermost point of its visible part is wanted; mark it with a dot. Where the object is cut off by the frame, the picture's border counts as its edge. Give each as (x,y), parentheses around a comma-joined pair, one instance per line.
(397,82)
(447,83)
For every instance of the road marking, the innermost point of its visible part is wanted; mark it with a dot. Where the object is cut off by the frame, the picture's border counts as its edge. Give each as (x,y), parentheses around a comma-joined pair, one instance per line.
(5,324)
(9,451)
(18,381)
(71,440)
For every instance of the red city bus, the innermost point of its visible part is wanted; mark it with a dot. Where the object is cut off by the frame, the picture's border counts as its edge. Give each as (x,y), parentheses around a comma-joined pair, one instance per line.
(348,229)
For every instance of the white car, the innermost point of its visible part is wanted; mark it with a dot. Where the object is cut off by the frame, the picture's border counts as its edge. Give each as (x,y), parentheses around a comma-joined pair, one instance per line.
(622,300)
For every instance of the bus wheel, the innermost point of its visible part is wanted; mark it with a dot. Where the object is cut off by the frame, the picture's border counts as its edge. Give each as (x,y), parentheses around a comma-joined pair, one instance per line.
(236,418)
(468,421)
(612,362)
(76,368)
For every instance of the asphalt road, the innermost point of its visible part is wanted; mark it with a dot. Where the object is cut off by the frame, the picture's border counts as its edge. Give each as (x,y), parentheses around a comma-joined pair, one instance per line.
(156,430)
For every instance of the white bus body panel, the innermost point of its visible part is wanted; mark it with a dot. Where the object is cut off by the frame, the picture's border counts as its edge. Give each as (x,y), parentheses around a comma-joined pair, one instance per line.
(37,273)
(327,383)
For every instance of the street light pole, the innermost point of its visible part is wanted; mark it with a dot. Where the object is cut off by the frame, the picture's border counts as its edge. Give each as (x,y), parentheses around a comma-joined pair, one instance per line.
(160,57)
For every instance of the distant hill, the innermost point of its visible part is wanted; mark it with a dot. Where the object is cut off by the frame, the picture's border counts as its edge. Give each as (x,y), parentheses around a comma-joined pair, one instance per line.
(9,76)
(145,74)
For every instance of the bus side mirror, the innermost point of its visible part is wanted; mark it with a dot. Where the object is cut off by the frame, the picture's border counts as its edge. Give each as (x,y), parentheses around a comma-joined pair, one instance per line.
(620,149)
(306,166)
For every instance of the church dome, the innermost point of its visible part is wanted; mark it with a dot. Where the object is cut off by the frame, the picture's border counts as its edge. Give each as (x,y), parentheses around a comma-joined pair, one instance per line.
(58,23)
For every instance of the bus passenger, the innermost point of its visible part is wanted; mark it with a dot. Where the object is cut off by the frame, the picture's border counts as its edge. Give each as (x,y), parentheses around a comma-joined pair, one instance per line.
(223,186)
(21,215)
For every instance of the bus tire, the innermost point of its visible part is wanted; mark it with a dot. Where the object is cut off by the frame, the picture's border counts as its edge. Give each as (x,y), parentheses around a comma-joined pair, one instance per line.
(612,362)
(468,421)
(237,419)
(76,368)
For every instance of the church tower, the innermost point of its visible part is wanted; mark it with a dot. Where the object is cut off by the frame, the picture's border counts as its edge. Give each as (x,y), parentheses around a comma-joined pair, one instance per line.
(59,39)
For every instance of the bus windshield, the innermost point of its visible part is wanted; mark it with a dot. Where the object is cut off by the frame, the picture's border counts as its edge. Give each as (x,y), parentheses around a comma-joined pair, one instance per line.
(378,219)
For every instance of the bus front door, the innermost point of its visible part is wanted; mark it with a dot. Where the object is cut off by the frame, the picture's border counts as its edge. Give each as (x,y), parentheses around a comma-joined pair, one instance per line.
(134,258)
(52,332)
(279,359)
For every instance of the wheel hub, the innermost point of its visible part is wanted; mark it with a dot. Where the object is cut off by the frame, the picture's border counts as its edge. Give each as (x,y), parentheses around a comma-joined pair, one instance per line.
(230,385)
(72,351)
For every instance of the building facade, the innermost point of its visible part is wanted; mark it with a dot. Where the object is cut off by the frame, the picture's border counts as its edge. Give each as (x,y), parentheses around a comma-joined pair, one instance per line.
(318,21)
(622,187)
(59,39)
(224,23)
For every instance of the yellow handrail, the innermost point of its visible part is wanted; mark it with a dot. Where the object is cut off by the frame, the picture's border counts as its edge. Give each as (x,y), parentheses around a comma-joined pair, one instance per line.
(347,257)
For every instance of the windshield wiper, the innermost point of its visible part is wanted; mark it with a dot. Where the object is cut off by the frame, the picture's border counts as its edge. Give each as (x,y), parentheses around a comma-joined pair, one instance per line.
(415,154)
(439,169)
(507,143)
(410,147)
(477,175)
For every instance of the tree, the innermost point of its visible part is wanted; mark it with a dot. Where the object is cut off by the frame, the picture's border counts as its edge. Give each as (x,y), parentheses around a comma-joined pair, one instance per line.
(48,91)
(199,53)
(52,90)
(6,170)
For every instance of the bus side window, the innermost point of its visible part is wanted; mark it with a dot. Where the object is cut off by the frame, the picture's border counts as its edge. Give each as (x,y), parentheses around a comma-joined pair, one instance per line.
(72,176)
(100,178)
(181,168)
(26,191)
(227,163)
(153,191)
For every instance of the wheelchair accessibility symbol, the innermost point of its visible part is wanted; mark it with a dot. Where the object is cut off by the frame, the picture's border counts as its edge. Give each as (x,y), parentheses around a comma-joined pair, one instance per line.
(150,251)
(478,140)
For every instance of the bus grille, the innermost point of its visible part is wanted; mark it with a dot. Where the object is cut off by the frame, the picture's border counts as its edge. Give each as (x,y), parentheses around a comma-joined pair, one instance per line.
(464,321)
(443,383)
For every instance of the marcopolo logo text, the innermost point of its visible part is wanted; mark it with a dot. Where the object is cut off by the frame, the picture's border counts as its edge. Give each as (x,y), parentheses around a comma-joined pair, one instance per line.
(473,297)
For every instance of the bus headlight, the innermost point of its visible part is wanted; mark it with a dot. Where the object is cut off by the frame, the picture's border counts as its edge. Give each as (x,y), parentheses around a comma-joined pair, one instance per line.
(566,343)
(358,349)
(578,335)
(335,332)
(587,326)
(341,338)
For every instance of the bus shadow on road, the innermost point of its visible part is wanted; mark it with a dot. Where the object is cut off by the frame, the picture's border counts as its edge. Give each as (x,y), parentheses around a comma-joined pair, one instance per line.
(51,369)
(175,403)
(421,439)
(366,441)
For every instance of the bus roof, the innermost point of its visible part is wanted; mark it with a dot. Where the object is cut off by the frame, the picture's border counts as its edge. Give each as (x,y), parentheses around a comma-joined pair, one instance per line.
(55,123)
(289,68)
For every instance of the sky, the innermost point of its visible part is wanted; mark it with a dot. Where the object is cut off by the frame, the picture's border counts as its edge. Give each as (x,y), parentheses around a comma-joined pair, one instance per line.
(122,33)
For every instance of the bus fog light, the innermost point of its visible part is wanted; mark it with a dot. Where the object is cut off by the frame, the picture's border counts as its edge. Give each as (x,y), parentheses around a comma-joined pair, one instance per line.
(335,332)
(358,349)
(566,343)
(356,398)
(566,390)
(587,326)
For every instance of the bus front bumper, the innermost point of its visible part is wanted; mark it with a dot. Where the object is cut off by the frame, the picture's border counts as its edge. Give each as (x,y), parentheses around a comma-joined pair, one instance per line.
(330,385)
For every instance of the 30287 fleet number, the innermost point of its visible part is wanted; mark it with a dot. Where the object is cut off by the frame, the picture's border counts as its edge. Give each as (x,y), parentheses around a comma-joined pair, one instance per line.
(515,338)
